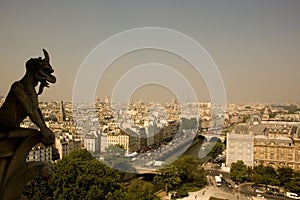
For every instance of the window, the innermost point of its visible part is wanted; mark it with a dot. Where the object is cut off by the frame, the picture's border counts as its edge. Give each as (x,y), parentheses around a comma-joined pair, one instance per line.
(261,150)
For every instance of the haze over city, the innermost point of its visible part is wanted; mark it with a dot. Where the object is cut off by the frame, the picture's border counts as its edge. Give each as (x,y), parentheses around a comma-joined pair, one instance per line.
(255,44)
(150,99)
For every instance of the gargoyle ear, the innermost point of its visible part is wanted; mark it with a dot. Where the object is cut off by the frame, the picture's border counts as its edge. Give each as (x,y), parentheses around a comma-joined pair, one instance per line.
(47,58)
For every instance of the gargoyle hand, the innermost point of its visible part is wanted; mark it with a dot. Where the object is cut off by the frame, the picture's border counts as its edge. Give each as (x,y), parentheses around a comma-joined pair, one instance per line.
(48,138)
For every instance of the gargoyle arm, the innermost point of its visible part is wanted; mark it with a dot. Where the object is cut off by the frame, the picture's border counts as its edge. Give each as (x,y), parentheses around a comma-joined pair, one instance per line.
(29,106)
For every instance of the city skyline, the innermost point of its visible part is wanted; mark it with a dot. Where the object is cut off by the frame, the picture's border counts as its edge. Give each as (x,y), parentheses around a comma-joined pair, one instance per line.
(254,44)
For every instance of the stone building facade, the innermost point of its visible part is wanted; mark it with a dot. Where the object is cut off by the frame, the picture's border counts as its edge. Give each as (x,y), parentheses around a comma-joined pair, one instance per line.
(272,143)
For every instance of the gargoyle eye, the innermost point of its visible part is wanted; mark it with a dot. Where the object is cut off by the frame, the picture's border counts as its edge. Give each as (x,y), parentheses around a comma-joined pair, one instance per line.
(48,70)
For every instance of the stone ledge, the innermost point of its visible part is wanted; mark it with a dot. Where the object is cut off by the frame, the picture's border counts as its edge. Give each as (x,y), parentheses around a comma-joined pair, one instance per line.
(15,172)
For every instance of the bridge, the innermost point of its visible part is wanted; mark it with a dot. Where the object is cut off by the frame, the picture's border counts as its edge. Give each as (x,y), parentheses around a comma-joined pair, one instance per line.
(213,137)
(145,170)
(174,152)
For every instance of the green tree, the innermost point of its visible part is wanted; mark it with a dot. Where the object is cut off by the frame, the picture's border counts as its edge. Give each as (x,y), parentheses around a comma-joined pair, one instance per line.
(77,176)
(249,173)
(117,194)
(257,179)
(273,114)
(271,176)
(285,175)
(115,157)
(238,171)
(191,170)
(260,169)
(189,123)
(294,184)
(246,118)
(217,149)
(265,175)
(38,189)
(169,175)
(95,193)
(140,190)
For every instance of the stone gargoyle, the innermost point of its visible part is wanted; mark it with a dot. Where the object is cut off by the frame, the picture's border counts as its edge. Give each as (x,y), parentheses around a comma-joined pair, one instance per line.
(16,142)
(22,99)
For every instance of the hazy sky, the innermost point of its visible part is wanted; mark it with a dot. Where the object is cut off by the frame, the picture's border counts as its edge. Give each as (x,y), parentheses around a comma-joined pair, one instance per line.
(255,43)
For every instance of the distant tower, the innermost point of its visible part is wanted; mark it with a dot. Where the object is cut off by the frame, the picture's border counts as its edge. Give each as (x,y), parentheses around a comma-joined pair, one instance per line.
(98,100)
(61,115)
(266,114)
(106,99)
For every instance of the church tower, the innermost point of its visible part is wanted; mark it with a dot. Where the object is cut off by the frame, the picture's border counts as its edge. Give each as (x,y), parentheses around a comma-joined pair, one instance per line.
(61,114)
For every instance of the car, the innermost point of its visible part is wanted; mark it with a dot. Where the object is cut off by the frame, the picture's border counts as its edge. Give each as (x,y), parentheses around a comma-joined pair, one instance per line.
(259,191)
(270,193)
(260,196)
(280,195)
(229,185)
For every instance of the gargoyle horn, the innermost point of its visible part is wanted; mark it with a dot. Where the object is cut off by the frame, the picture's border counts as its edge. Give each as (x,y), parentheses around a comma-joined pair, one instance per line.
(47,58)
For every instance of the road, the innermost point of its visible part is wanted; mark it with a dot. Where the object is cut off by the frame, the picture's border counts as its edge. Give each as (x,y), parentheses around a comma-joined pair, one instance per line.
(213,191)
(245,188)
(166,154)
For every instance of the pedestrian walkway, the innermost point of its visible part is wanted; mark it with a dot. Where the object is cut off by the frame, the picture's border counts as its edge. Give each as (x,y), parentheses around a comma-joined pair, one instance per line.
(213,191)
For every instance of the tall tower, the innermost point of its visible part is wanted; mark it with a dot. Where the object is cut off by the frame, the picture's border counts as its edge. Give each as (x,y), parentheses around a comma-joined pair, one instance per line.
(61,115)
(106,99)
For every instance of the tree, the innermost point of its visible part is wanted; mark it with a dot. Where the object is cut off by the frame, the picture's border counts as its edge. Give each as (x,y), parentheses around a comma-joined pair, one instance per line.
(38,189)
(273,114)
(139,189)
(257,179)
(246,118)
(294,184)
(189,123)
(191,170)
(169,175)
(271,176)
(95,193)
(265,175)
(238,171)
(77,176)
(260,169)
(117,194)
(249,173)
(217,149)
(115,157)
(285,174)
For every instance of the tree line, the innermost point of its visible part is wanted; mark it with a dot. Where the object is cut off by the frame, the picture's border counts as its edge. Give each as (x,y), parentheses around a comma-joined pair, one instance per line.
(80,176)
(284,177)
(183,175)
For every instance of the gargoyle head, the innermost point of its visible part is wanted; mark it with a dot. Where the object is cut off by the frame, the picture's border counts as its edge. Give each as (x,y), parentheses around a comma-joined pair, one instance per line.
(42,71)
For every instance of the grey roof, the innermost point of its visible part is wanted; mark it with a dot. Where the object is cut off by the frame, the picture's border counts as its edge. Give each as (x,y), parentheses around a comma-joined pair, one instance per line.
(258,129)
(241,129)
(276,140)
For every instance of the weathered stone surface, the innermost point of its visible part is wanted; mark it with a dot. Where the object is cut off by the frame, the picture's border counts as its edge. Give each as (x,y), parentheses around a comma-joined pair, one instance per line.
(15,142)
(15,172)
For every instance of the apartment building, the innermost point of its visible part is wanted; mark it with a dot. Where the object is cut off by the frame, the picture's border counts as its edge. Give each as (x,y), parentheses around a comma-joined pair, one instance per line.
(128,141)
(271,143)
(66,143)
(40,153)
(91,142)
